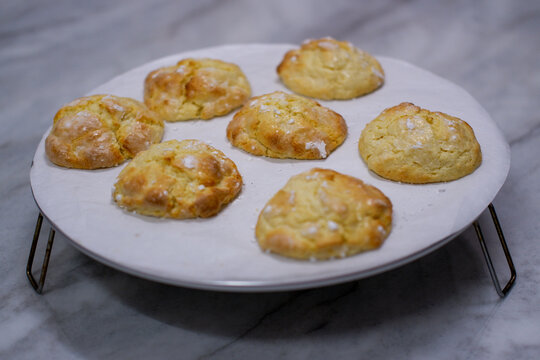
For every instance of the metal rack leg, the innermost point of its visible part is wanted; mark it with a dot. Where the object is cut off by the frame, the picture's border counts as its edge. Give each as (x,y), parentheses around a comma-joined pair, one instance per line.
(504,291)
(38,286)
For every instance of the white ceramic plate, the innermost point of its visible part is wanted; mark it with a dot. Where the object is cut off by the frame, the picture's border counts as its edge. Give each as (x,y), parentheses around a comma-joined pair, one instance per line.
(221,253)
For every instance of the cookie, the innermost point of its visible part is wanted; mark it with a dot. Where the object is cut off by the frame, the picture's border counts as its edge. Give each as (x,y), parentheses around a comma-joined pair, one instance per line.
(408,144)
(321,214)
(101,131)
(178,179)
(328,69)
(196,89)
(281,125)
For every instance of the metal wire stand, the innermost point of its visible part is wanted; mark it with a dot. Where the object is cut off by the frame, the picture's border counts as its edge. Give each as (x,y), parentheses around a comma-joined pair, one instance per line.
(38,285)
(502,292)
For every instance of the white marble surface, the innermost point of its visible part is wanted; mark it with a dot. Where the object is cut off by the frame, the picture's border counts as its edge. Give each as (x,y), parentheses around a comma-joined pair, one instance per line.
(442,306)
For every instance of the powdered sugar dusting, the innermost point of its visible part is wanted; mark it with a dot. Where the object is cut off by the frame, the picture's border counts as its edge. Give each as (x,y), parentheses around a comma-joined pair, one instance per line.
(189,162)
(450,124)
(83,113)
(377,73)
(115,106)
(310,231)
(418,145)
(328,45)
(70,122)
(419,120)
(410,124)
(333,226)
(112,105)
(291,197)
(372,202)
(319,145)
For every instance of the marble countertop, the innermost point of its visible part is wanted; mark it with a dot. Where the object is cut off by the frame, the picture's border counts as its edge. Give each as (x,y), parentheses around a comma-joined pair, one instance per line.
(442,306)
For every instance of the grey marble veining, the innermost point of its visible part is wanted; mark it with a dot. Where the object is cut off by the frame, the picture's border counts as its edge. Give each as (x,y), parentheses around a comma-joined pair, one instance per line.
(442,306)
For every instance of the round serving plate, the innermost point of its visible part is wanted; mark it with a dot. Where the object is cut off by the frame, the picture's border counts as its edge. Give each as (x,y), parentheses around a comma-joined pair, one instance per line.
(221,253)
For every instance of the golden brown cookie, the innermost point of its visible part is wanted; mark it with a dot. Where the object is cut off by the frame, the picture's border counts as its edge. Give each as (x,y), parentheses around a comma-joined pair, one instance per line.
(196,89)
(328,69)
(321,214)
(178,179)
(413,145)
(101,131)
(281,125)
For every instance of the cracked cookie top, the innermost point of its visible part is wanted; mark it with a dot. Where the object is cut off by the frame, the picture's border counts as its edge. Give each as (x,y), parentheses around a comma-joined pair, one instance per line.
(178,179)
(281,125)
(101,131)
(409,144)
(320,214)
(328,69)
(196,89)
